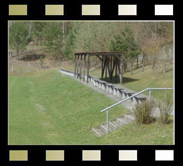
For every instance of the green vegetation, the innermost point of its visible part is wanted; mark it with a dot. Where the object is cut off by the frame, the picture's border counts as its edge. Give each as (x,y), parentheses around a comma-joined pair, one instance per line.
(53,39)
(126,43)
(47,108)
(41,61)
(18,36)
(143,112)
(132,134)
(165,110)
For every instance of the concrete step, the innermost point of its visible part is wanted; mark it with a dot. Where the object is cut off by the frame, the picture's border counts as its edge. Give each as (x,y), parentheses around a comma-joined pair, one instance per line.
(130,118)
(111,127)
(98,131)
(123,121)
(114,124)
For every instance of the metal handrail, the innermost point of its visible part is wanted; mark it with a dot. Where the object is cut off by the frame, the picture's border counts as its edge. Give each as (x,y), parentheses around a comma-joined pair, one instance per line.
(148,89)
(106,109)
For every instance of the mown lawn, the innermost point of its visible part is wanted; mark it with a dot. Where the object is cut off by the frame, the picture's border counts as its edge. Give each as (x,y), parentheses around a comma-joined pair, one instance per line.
(48,108)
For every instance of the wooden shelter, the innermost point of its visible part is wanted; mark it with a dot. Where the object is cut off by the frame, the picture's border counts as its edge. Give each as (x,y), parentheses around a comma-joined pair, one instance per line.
(112,63)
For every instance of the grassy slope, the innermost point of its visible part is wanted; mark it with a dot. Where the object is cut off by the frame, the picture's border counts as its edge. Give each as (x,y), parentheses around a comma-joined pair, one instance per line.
(148,79)
(48,108)
(54,109)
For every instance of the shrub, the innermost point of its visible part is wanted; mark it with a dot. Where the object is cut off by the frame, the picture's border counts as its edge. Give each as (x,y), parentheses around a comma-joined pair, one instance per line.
(41,61)
(165,110)
(143,112)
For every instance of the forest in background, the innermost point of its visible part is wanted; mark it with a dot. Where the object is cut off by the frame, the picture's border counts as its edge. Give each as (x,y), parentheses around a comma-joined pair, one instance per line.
(60,40)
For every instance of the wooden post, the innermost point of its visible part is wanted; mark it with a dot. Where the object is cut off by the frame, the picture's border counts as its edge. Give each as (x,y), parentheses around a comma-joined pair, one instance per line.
(114,63)
(84,61)
(105,67)
(116,69)
(80,66)
(102,67)
(87,67)
(75,67)
(110,75)
(120,71)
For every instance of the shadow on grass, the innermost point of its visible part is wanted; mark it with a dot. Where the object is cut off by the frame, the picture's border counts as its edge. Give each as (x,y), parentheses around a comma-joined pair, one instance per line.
(116,81)
(32,57)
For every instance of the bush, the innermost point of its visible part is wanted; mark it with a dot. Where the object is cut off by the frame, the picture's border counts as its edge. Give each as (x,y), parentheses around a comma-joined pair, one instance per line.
(165,110)
(41,61)
(143,112)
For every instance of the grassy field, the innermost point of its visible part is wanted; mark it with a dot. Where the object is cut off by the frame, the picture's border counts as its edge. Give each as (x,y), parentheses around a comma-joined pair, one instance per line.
(47,108)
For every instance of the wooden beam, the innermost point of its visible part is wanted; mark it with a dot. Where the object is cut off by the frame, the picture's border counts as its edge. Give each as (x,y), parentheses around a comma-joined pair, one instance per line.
(109,70)
(106,67)
(116,70)
(75,67)
(102,67)
(119,59)
(114,63)
(80,66)
(99,57)
(111,62)
(119,69)
(84,61)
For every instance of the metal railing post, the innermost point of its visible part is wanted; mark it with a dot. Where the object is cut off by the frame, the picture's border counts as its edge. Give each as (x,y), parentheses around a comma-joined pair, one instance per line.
(150,94)
(107,121)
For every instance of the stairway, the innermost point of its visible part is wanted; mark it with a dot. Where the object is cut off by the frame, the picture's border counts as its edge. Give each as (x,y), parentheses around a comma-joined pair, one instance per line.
(114,124)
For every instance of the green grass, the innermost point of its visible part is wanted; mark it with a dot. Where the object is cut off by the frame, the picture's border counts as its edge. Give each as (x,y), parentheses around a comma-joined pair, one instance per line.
(48,108)
(148,79)
(132,134)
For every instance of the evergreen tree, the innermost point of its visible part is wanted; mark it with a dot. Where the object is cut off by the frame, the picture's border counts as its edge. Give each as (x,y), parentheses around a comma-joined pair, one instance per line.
(70,41)
(68,50)
(18,36)
(52,33)
(126,43)
(37,31)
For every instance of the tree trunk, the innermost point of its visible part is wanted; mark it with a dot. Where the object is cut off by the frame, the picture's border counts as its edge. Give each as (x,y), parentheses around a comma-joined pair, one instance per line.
(17,53)
(153,64)
(12,68)
(131,67)
(164,67)
(143,61)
